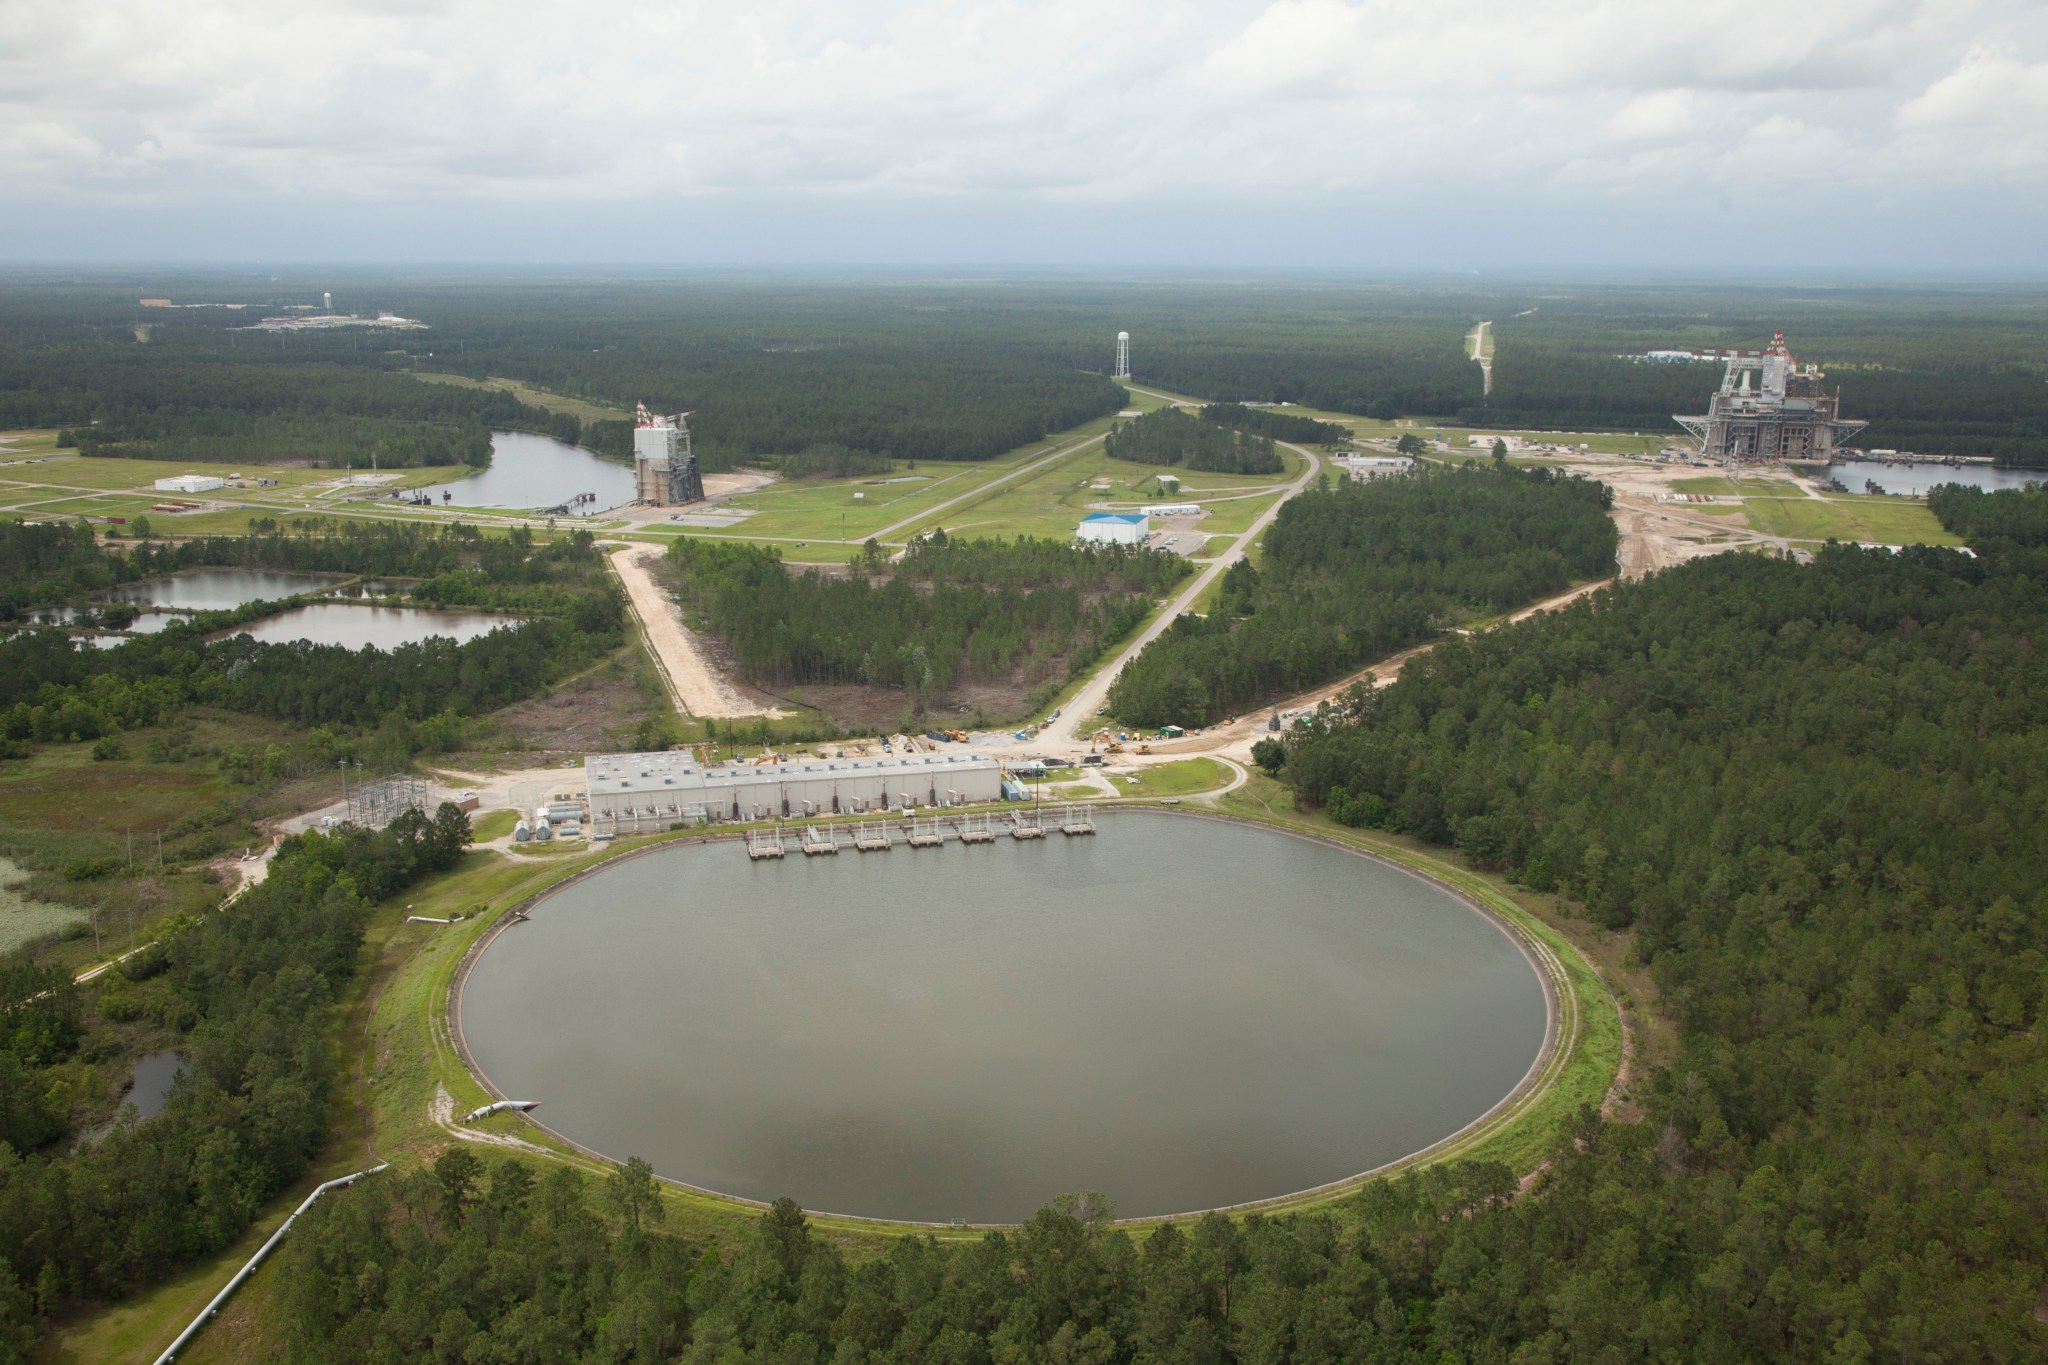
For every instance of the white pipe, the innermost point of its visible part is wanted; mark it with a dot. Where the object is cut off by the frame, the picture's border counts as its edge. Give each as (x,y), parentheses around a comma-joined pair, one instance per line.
(206,1314)
(473,1115)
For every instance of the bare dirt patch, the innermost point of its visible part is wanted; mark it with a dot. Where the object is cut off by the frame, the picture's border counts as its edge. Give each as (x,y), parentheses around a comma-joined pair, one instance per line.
(591,713)
(699,686)
(882,710)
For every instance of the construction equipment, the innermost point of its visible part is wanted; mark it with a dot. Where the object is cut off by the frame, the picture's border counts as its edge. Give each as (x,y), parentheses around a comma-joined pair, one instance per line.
(1143,747)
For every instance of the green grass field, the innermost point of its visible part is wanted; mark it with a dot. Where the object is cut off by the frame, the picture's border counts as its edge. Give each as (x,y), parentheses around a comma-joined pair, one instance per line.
(1887,521)
(1182,778)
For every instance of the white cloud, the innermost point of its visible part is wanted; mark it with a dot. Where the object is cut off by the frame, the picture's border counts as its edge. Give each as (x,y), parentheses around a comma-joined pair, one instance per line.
(1657,102)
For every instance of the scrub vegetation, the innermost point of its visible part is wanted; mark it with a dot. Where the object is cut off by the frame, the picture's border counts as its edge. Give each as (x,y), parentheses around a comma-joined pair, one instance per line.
(1356,572)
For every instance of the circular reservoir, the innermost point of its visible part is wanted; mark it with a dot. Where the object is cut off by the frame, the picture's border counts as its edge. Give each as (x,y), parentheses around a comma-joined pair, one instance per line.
(1179,1013)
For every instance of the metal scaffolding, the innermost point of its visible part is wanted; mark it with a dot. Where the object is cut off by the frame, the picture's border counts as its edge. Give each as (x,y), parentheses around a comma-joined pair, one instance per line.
(376,803)
(1785,416)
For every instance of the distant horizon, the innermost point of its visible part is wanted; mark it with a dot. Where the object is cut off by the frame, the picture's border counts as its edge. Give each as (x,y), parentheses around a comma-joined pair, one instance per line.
(109,272)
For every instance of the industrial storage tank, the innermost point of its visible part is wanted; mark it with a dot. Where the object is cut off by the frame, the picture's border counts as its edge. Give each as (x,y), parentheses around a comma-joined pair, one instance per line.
(521,832)
(541,832)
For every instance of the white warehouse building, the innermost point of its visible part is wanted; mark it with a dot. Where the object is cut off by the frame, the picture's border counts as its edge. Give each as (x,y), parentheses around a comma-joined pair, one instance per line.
(190,483)
(646,792)
(1115,528)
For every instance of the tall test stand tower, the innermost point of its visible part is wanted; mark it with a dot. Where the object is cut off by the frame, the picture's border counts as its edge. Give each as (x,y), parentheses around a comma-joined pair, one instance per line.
(1123,356)
(1785,416)
(665,470)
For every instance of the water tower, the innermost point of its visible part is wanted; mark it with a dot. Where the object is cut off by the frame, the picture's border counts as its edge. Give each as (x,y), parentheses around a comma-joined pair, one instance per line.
(1123,356)
(327,302)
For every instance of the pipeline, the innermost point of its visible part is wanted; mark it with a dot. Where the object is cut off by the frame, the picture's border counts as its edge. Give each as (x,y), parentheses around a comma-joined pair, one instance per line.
(522,1105)
(206,1314)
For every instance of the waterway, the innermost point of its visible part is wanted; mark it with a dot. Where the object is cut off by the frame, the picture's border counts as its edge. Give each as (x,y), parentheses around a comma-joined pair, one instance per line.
(532,472)
(1915,479)
(221,589)
(1179,1013)
(338,623)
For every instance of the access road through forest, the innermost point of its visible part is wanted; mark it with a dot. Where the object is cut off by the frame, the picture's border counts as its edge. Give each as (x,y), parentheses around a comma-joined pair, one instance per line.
(1082,708)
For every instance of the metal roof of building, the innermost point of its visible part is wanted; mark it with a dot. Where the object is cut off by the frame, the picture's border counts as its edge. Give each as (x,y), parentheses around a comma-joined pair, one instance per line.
(1131,518)
(655,771)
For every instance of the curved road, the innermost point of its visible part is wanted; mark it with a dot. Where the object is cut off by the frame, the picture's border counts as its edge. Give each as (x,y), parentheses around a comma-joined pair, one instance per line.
(1081,709)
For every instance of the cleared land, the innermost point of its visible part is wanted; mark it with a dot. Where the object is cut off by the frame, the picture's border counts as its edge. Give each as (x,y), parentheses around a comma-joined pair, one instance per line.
(581,409)
(697,686)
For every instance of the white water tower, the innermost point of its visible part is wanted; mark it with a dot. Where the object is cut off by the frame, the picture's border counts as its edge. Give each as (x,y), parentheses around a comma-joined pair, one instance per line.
(1123,356)
(326,302)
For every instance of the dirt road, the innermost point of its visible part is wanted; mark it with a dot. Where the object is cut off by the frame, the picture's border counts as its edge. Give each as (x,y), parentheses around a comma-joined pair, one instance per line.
(679,654)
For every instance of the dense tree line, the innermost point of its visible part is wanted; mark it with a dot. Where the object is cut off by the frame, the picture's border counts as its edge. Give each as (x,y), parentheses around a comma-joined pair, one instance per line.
(926,369)
(1355,572)
(1279,426)
(949,613)
(1816,795)
(1172,436)
(251,989)
(2019,515)
(832,462)
(179,402)
(770,372)
(52,691)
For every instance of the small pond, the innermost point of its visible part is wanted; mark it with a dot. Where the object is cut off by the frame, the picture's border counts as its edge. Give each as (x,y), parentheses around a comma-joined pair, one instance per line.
(338,623)
(1179,1013)
(221,589)
(154,1076)
(534,472)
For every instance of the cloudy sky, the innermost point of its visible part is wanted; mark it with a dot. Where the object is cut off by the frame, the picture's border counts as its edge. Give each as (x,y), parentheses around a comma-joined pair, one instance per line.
(1456,134)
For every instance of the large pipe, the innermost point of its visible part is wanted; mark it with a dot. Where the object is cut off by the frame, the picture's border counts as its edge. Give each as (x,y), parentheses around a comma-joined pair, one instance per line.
(206,1314)
(521,1105)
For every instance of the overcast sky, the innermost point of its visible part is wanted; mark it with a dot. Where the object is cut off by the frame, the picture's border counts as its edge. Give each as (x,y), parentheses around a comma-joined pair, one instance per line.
(1442,134)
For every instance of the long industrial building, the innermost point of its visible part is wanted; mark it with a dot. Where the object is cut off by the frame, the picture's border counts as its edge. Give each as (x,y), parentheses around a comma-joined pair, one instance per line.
(1784,417)
(645,792)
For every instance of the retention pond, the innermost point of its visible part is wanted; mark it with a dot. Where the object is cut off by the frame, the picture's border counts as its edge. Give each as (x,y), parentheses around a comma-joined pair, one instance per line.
(1179,1013)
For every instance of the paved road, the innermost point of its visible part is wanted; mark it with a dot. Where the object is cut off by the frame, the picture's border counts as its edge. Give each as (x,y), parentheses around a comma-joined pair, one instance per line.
(1018,472)
(1081,710)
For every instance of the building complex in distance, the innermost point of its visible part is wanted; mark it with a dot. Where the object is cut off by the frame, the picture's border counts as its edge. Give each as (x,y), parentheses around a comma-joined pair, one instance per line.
(665,470)
(1785,416)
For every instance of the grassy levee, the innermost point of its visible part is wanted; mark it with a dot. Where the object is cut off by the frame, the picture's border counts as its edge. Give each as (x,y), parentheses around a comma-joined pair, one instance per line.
(1583,1064)
(393,1049)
